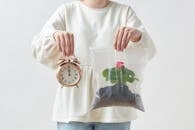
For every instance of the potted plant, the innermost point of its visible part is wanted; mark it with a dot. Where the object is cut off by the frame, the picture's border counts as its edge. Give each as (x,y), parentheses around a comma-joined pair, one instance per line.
(118,94)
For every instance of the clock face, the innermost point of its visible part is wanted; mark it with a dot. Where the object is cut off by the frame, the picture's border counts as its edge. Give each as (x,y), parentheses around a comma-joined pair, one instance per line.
(69,74)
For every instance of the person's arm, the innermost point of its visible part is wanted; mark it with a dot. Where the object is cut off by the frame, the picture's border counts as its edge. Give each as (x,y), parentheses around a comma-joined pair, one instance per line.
(145,40)
(44,47)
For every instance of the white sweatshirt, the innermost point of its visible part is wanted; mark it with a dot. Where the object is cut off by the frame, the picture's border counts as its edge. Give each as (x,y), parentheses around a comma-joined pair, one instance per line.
(92,27)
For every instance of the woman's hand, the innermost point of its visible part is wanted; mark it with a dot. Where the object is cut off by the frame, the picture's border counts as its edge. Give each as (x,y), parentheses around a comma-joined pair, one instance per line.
(124,35)
(65,42)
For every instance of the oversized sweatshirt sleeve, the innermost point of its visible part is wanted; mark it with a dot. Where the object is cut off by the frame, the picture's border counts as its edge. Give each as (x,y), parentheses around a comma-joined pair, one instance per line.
(44,47)
(145,41)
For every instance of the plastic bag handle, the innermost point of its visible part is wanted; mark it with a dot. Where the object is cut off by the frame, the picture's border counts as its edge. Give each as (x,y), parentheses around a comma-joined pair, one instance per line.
(119,56)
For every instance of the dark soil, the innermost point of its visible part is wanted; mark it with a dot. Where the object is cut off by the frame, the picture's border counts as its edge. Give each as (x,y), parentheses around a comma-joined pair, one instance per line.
(117,95)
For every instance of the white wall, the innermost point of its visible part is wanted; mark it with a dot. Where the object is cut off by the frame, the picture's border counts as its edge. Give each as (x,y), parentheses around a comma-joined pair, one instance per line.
(27,89)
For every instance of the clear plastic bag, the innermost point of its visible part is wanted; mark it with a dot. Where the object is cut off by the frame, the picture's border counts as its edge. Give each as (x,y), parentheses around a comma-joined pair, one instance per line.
(118,76)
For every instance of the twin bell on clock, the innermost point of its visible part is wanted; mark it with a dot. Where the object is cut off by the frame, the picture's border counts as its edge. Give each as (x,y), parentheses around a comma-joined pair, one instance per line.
(69,71)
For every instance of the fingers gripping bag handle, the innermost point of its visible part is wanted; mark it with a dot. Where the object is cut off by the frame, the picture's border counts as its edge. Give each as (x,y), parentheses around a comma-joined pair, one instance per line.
(118,77)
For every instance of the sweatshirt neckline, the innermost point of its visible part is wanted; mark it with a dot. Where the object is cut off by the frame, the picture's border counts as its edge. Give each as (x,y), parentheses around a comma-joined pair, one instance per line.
(96,9)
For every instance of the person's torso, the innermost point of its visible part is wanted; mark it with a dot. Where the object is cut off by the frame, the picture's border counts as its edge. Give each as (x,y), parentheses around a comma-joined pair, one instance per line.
(91,27)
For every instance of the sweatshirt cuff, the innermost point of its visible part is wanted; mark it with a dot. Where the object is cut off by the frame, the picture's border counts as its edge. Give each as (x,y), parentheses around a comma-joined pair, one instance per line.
(52,36)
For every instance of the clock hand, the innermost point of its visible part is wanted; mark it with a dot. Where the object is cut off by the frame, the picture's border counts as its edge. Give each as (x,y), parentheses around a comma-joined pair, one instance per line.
(69,72)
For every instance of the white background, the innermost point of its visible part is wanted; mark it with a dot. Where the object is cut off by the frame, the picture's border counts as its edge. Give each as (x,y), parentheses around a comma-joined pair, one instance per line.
(27,88)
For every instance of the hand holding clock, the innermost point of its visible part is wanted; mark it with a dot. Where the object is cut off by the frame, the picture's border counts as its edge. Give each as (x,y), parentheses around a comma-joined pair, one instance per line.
(65,42)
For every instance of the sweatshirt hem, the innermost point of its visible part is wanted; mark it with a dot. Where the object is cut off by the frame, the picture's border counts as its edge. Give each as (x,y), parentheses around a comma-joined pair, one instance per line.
(112,120)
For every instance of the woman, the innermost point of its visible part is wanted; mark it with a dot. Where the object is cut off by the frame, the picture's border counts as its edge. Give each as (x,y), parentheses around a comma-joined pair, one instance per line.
(72,30)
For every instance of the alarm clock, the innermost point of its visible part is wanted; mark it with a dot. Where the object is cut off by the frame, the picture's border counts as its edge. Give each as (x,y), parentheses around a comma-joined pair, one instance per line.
(69,71)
